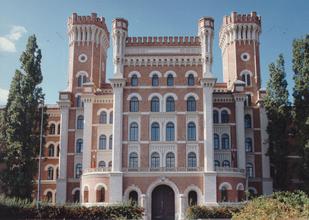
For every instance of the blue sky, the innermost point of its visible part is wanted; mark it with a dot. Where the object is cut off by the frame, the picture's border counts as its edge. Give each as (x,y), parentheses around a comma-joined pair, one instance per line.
(282,21)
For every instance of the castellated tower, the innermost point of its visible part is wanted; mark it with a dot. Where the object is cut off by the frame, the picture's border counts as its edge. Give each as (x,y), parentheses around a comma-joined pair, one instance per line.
(88,44)
(239,43)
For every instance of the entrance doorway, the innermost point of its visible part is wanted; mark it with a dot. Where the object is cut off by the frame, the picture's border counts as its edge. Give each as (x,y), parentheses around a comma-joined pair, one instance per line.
(163,203)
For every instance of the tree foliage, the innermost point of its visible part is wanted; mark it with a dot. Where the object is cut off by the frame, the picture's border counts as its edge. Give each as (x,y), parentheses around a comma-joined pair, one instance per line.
(20,125)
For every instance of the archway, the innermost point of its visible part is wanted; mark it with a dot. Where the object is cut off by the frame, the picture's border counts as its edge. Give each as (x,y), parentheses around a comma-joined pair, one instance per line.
(163,203)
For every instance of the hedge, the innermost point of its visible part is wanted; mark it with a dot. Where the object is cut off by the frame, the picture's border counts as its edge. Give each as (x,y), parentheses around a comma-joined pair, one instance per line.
(196,212)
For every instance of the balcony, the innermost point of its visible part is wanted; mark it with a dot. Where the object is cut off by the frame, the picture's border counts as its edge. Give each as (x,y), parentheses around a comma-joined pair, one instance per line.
(97,170)
(164,169)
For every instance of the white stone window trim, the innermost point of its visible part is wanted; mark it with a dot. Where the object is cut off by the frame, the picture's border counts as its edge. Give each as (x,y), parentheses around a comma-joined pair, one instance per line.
(51,142)
(80,58)
(227,185)
(138,157)
(106,143)
(53,194)
(198,191)
(100,184)
(247,72)
(155,72)
(161,103)
(165,96)
(137,95)
(160,158)
(170,72)
(75,163)
(130,189)
(191,72)
(54,170)
(240,186)
(134,73)
(253,189)
(165,122)
(192,150)
(242,56)
(195,121)
(130,121)
(174,151)
(81,73)
(191,94)
(99,163)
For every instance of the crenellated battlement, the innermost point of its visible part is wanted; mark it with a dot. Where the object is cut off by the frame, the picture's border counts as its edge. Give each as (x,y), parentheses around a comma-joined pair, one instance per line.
(242,18)
(75,19)
(163,41)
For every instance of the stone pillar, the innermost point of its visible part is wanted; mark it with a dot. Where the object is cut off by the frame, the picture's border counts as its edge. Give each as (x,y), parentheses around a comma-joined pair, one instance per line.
(87,133)
(144,205)
(64,105)
(182,207)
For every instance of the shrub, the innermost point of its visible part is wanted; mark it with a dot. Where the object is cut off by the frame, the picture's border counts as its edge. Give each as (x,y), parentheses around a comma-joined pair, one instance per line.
(196,212)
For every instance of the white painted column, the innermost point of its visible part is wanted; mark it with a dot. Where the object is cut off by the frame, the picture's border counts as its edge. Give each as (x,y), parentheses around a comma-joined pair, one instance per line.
(144,205)
(87,132)
(182,208)
(240,130)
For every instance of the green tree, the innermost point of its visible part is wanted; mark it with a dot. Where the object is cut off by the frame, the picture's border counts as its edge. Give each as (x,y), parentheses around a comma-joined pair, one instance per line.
(301,104)
(278,112)
(20,125)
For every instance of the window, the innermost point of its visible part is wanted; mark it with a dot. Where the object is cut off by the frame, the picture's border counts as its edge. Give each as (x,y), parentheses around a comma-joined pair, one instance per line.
(133,160)
(216,142)
(80,122)
(58,131)
(76,196)
(215,116)
(86,194)
(133,197)
(155,80)
(248,144)
(191,131)
(192,160)
(246,78)
(50,173)
(192,198)
(79,102)
(170,132)
(102,142)
(249,170)
(52,129)
(170,160)
(190,80)
(217,163)
(170,104)
(110,164)
(111,117)
(225,141)
(81,79)
(226,163)
(191,104)
(248,122)
(102,164)
(224,117)
(103,117)
(49,196)
(110,146)
(134,104)
(224,194)
(100,194)
(57,172)
(134,131)
(58,150)
(78,170)
(155,160)
(155,132)
(248,100)
(155,104)
(79,146)
(170,80)
(51,150)
(134,80)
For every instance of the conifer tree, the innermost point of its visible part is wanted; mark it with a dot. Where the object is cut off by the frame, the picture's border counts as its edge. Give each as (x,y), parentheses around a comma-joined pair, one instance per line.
(20,125)
(277,107)
(301,104)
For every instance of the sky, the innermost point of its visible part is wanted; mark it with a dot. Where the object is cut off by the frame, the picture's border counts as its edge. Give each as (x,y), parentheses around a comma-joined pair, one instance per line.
(282,22)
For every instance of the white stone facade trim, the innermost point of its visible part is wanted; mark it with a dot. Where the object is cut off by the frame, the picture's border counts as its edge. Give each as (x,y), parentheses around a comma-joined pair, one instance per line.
(155,72)
(191,94)
(81,73)
(131,95)
(170,72)
(225,184)
(191,72)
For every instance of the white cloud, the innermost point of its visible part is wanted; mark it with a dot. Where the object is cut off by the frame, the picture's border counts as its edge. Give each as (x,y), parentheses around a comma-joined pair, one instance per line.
(3,96)
(7,43)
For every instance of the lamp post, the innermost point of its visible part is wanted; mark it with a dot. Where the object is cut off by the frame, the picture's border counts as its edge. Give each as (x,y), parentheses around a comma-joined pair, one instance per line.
(40,155)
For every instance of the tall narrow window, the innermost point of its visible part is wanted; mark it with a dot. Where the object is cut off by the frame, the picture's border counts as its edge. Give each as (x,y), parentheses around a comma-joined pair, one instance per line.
(192,160)
(51,150)
(155,80)
(170,160)
(170,80)
(102,164)
(79,101)
(224,194)
(110,143)
(103,117)
(248,144)
(170,132)
(248,82)
(133,160)
(190,80)
(192,198)
(78,170)
(134,104)
(102,142)
(79,81)
(58,150)
(216,142)
(217,163)
(224,117)
(50,173)
(155,132)
(226,163)
(80,122)
(134,131)
(155,104)
(249,169)
(134,80)
(58,130)
(248,123)
(170,104)
(155,160)
(191,104)
(86,194)
(111,117)
(76,196)
(49,197)
(100,194)
(110,164)
(215,117)
(225,140)
(133,197)
(79,146)
(52,129)
(191,131)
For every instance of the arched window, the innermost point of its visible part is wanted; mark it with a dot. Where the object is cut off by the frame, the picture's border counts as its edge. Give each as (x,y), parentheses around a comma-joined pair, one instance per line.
(225,140)
(133,197)
(249,169)
(134,80)
(58,131)
(170,160)
(51,150)
(102,142)
(215,116)
(57,172)
(100,194)
(52,129)
(170,80)
(155,104)
(191,104)
(103,117)
(80,122)
(170,131)
(190,80)
(111,117)
(248,123)
(133,131)
(216,142)
(224,194)
(192,163)
(155,80)
(170,104)
(248,100)
(49,197)
(102,164)
(110,146)
(58,150)
(248,144)
(155,131)
(79,80)
(224,117)
(191,131)
(134,104)
(217,163)
(76,196)
(192,198)
(155,160)
(79,146)
(78,170)
(50,173)
(79,102)
(133,160)
(246,78)
(86,194)
(226,163)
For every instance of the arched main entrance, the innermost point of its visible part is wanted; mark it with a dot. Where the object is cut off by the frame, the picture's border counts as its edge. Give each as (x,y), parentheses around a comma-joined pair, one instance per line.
(163,203)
